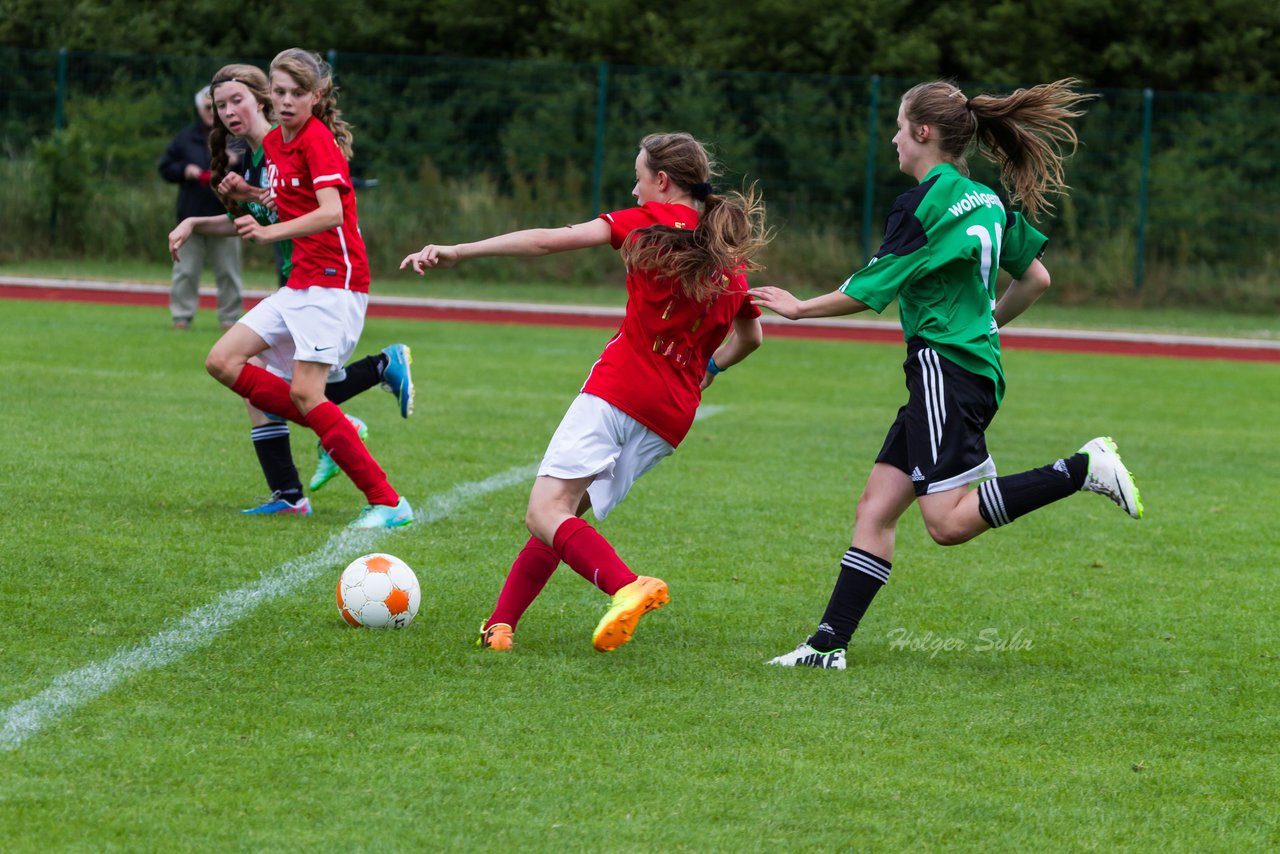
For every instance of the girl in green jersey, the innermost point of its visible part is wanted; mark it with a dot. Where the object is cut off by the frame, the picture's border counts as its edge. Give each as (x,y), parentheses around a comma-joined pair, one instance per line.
(945,242)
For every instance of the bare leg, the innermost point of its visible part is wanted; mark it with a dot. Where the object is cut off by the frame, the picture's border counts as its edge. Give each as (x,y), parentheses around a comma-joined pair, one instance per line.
(232,352)
(887,495)
(952,517)
(552,501)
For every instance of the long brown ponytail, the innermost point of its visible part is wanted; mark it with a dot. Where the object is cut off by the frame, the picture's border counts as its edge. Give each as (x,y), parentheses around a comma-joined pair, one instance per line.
(729,233)
(1023,133)
(219,160)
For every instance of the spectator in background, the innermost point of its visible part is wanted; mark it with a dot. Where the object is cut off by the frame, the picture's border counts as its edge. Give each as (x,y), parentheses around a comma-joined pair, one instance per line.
(186,163)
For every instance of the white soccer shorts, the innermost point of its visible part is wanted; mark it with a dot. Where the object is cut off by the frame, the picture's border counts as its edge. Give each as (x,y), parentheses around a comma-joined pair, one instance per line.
(308,325)
(596,439)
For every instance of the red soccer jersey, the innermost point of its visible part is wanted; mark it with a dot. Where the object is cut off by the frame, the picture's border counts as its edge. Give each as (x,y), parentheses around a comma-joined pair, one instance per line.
(652,368)
(334,258)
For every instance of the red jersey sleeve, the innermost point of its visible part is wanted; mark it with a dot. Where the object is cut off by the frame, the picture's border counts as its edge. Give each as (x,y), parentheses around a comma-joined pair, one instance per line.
(328,167)
(748,309)
(623,222)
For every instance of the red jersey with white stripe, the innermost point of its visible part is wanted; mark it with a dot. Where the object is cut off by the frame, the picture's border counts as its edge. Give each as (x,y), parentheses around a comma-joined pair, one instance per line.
(652,369)
(334,258)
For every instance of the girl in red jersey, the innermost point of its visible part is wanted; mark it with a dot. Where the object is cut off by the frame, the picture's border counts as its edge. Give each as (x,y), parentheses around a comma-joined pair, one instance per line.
(311,325)
(242,112)
(686,293)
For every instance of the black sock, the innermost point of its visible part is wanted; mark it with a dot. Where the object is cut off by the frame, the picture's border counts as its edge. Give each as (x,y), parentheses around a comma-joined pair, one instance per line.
(271,442)
(1004,499)
(361,376)
(862,574)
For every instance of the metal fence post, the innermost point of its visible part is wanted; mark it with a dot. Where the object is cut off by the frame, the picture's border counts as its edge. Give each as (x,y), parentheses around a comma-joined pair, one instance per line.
(59,113)
(869,190)
(597,170)
(1143,181)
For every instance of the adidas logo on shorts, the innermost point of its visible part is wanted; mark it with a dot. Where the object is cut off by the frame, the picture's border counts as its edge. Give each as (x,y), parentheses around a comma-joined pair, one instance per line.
(916,475)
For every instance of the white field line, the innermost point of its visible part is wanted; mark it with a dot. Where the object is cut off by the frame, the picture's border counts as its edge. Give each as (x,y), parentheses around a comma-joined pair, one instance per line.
(706,410)
(199,627)
(1010,333)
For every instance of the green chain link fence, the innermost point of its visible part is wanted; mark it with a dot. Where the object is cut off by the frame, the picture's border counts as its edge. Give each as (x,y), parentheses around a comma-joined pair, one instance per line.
(1172,192)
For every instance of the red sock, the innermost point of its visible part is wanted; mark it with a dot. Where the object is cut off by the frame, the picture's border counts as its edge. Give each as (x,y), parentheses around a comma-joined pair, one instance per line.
(591,556)
(266,391)
(343,443)
(529,574)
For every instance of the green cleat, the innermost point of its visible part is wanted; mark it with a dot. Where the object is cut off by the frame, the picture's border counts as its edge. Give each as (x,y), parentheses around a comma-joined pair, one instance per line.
(382,516)
(326,468)
(1108,476)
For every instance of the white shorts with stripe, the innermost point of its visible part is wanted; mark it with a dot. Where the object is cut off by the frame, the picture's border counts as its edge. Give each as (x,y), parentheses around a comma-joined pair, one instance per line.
(598,440)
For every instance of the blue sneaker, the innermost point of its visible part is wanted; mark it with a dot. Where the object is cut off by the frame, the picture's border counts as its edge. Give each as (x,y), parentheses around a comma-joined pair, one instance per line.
(326,468)
(277,506)
(396,377)
(382,516)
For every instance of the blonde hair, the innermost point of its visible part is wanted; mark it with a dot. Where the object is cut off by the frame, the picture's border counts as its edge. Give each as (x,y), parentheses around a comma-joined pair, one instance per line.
(729,233)
(1023,133)
(309,70)
(252,78)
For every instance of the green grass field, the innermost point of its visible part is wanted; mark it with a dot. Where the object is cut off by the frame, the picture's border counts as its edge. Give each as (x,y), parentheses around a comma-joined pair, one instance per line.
(176,676)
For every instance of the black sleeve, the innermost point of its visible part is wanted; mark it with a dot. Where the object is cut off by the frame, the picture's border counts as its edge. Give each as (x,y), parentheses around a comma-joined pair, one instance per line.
(903,233)
(173,163)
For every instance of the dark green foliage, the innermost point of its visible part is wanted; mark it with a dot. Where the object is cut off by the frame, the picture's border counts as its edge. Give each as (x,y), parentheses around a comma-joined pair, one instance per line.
(1221,45)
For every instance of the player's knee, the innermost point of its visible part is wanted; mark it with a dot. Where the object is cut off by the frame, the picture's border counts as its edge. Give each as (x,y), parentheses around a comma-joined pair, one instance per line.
(536,521)
(304,402)
(219,367)
(872,513)
(946,532)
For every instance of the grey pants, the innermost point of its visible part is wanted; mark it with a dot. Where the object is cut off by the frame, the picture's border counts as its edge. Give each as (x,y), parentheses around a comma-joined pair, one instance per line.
(223,254)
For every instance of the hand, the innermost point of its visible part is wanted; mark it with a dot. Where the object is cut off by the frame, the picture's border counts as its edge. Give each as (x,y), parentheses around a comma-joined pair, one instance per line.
(267,199)
(250,229)
(192,172)
(234,186)
(777,300)
(432,256)
(177,237)
(707,379)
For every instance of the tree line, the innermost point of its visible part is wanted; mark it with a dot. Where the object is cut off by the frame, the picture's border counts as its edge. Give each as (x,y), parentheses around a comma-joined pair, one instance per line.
(1177,45)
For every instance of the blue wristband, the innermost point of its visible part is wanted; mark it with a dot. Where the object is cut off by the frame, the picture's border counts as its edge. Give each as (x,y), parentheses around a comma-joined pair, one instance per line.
(713,368)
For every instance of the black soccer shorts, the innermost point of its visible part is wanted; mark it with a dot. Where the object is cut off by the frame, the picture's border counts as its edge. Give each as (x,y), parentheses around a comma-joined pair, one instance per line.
(939,436)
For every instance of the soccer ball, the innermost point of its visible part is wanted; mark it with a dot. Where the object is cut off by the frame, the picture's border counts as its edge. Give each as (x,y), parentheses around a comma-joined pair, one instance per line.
(379,591)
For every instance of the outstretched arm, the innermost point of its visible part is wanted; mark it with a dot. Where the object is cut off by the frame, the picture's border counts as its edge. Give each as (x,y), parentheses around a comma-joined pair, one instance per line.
(215,226)
(529,243)
(784,303)
(1022,293)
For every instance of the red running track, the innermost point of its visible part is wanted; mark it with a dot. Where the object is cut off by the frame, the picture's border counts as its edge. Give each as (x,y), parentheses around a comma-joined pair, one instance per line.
(1180,347)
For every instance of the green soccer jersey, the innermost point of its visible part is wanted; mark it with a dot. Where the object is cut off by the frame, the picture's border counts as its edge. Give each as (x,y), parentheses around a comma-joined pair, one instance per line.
(943,243)
(256,174)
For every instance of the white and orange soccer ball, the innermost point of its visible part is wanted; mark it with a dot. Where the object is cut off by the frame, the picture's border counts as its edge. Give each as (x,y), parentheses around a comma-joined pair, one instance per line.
(379,591)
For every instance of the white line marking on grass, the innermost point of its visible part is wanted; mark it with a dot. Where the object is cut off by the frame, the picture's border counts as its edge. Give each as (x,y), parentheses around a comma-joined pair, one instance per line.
(706,410)
(199,627)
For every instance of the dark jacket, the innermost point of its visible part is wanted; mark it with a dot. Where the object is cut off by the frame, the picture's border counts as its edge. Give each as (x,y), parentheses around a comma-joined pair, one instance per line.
(191,145)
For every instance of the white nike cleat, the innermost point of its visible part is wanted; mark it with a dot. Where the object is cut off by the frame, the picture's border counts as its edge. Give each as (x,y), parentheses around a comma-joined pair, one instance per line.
(1108,476)
(806,656)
